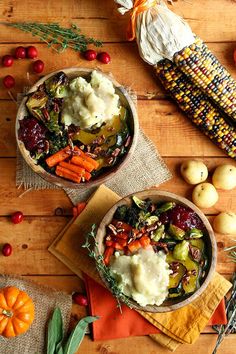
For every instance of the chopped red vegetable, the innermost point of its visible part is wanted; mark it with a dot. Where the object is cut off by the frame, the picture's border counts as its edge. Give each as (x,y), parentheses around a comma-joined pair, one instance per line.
(107,255)
(134,246)
(145,241)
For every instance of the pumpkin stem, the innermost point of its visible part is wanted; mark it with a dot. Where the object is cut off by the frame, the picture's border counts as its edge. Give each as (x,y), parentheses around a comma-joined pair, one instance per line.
(7,313)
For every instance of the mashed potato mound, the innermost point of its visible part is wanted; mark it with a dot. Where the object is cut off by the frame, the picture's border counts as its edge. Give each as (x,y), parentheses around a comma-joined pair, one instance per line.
(90,104)
(143,276)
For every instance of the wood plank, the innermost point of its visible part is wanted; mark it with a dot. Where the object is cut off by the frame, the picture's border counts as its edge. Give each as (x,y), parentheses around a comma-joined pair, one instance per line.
(126,66)
(30,241)
(12,200)
(212,20)
(145,345)
(34,201)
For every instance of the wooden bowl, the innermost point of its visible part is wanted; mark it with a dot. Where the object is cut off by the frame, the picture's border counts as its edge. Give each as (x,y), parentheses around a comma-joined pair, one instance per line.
(126,101)
(211,248)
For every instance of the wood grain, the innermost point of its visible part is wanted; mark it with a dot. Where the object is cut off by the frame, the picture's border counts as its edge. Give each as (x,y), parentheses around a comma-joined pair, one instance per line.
(212,20)
(145,345)
(12,200)
(174,136)
(126,66)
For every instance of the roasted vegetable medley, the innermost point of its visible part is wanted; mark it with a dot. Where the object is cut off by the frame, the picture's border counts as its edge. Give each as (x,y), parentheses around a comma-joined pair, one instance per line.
(165,227)
(76,150)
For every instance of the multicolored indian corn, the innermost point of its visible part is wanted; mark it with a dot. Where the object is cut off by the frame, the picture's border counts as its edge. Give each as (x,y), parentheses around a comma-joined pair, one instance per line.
(197,106)
(205,71)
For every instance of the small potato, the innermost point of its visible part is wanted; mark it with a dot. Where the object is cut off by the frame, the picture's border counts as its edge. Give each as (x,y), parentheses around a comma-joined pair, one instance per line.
(224,177)
(204,195)
(193,171)
(225,223)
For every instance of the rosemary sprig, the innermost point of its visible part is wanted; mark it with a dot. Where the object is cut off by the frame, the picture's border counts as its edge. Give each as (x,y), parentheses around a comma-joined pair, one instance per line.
(57,37)
(92,246)
(232,252)
(224,330)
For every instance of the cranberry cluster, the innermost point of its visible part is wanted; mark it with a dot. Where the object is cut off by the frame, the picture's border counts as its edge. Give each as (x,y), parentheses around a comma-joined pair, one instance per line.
(21,53)
(182,217)
(103,57)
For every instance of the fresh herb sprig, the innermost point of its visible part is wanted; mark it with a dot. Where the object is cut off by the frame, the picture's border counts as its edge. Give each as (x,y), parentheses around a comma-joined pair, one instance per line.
(92,246)
(232,252)
(57,37)
(55,336)
(224,330)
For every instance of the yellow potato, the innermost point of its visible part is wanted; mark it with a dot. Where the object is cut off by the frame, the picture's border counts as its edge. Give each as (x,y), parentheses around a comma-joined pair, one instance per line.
(194,171)
(224,177)
(204,195)
(225,223)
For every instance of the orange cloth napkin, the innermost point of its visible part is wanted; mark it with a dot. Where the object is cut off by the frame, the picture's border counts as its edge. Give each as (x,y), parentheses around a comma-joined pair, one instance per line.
(181,326)
(112,324)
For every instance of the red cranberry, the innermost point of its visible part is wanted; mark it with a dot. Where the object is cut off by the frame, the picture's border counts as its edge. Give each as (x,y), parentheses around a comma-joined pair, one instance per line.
(31,52)
(8,81)
(7,250)
(90,54)
(32,133)
(80,299)
(104,57)
(20,53)
(7,60)
(17,217)
(185,218)
(38,66)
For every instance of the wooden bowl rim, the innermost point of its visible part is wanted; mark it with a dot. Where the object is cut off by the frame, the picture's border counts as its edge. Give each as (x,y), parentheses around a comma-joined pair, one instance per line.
(58,181)
(148,194)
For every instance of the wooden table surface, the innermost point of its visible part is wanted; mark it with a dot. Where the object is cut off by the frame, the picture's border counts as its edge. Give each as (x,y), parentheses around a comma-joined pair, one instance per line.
(173,134)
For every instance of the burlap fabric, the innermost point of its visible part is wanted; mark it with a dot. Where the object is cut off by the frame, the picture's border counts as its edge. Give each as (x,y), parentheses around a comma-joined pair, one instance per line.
(45,300)
(146,169)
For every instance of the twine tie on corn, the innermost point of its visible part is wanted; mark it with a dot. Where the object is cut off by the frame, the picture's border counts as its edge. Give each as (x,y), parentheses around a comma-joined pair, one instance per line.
(138,7)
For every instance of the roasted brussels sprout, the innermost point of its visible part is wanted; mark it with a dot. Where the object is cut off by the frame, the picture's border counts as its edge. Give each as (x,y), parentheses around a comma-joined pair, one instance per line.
(158,233)
(194,233)
(181,250)
(176,232)
(56,86)
(36,103)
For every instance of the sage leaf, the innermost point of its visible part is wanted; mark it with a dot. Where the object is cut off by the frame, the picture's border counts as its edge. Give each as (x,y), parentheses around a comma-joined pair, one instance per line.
(60,351)
(55,331)
(77,335)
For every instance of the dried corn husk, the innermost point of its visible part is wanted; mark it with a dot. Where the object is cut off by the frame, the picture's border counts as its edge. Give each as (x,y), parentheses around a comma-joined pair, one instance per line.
(159,32)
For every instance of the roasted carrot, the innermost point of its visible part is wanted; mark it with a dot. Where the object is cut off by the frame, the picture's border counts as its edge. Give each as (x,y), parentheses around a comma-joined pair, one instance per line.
(65,173)
(82,162)
(88,158)
(145,241)
(107,255)
(121,242)
(109,243)
(134,246)
(87,175)
(117,246)
(59,156)
(79,170)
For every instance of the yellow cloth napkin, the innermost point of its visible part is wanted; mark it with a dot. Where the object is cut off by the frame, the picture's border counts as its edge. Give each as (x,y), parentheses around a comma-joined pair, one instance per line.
(181,326)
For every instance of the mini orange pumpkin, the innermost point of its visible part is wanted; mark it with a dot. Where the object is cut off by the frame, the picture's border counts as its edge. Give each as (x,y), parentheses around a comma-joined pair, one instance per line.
(16,312)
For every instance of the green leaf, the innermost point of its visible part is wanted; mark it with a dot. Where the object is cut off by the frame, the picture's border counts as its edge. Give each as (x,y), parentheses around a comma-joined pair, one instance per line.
(77,335)
(55,331)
